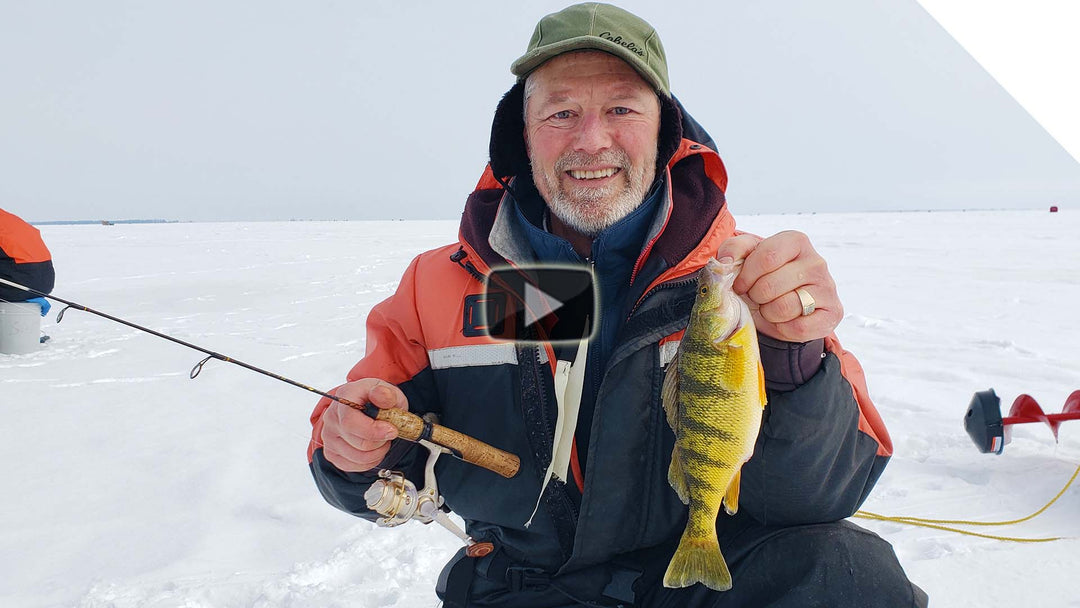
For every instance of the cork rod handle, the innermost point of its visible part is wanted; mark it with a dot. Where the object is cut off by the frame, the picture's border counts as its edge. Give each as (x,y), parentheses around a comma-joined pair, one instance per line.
(414,428)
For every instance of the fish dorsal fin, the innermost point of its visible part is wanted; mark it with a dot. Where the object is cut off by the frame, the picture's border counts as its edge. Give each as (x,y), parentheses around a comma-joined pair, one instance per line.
(669,393)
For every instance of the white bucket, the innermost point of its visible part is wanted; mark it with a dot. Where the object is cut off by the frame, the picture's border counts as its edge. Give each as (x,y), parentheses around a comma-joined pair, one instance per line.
(20,327)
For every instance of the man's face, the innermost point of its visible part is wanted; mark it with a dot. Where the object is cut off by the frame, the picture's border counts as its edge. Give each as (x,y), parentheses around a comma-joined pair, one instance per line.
(591,128)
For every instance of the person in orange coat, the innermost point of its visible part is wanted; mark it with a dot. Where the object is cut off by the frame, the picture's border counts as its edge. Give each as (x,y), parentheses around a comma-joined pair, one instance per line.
(593,162)
(24,259)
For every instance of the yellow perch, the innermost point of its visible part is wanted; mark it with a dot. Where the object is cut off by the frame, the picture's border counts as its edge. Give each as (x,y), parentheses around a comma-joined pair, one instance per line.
(713,394)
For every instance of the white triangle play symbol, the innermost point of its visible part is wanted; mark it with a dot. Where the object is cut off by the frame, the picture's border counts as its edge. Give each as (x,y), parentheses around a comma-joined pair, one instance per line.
(538,304)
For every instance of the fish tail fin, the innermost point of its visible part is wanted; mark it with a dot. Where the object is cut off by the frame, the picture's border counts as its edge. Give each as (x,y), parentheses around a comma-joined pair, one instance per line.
(698,560)
(731,498)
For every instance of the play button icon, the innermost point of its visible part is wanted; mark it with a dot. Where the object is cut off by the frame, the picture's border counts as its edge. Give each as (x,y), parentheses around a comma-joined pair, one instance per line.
(539,304)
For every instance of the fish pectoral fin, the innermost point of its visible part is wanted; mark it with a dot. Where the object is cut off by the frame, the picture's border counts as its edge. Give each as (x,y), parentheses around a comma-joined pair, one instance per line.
(677,477)
(669,394)
(761,385)
(731,498)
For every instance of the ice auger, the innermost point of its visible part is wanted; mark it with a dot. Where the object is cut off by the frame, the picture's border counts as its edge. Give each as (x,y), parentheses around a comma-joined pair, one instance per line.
(990,432)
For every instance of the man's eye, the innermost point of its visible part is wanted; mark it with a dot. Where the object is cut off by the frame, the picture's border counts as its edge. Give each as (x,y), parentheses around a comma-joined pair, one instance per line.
(562,115)
(619,111)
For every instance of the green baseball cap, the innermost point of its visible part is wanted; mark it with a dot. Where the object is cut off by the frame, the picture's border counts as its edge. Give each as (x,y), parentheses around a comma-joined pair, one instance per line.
(600,27)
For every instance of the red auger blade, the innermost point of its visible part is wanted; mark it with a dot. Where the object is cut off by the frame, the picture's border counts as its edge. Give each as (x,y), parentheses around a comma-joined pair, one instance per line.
(990,432)
(1072,403)
(1026,409)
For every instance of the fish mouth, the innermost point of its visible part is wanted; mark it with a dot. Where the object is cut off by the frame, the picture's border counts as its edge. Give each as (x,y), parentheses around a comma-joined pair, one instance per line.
(723,273)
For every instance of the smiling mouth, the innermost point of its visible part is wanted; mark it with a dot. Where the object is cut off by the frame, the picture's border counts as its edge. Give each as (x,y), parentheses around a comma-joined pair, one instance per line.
(598,174)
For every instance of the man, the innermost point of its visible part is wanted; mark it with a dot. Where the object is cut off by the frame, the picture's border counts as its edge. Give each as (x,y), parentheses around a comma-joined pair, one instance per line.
(593,161)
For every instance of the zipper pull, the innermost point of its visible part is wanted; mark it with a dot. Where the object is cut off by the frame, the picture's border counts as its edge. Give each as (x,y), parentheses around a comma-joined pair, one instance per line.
(459,255)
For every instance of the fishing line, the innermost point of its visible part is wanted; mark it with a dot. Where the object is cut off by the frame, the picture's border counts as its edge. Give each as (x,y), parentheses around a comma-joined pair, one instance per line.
(945,524)
(198,366)
(194,373)
(409,426)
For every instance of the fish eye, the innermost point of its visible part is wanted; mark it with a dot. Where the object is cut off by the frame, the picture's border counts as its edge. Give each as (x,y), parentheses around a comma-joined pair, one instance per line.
(704,290)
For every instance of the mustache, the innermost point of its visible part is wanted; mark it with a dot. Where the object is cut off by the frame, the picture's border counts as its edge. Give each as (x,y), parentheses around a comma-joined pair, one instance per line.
(617,158)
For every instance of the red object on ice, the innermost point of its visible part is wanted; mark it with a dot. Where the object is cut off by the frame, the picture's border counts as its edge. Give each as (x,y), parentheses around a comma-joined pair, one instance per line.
(1072,403)
(1026,409)
(1053,208)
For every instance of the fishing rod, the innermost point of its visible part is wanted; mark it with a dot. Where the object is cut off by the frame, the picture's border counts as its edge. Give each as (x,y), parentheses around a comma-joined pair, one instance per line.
(409,426)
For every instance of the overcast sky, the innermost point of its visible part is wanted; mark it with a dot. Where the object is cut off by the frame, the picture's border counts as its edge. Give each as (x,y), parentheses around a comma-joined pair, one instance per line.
(228,110)
(1031,48)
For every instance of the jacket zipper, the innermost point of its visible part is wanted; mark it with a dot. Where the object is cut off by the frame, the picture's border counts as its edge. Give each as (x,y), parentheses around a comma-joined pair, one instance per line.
(560,506)
(557,492)
(550,438)
(668,285)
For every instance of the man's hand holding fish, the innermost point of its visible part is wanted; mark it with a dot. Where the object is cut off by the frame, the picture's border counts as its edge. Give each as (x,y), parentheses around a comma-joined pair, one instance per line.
(773,270)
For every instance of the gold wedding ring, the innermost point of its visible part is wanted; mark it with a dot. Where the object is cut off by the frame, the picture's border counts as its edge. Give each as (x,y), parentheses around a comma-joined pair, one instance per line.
(807,301)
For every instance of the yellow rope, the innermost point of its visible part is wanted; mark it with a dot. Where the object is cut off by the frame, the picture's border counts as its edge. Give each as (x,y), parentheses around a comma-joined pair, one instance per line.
(938,524)
(873,516)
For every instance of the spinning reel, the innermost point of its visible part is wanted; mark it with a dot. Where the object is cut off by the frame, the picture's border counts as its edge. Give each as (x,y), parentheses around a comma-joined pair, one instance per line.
(398,501)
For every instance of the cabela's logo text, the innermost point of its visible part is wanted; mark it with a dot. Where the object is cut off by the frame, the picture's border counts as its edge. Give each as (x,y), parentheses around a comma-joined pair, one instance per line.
(623,43)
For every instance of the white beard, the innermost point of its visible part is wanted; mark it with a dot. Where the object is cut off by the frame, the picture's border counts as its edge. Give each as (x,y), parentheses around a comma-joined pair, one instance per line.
(590,210)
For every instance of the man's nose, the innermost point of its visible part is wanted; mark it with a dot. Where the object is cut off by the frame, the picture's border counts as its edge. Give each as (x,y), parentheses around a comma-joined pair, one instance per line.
(593,135)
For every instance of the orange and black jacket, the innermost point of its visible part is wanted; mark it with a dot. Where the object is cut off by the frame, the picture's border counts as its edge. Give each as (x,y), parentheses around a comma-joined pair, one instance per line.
(24,259)
(822,444)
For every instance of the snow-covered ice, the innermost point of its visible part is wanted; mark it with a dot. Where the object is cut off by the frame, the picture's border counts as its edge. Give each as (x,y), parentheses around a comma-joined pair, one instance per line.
(126,484)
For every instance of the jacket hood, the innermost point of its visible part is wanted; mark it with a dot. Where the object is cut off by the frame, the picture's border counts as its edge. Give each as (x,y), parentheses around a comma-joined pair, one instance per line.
(694,218)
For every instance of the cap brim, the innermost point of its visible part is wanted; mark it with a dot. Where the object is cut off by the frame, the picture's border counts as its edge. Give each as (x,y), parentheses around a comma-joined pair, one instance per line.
(534,59)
